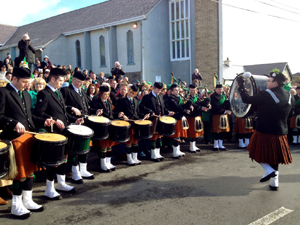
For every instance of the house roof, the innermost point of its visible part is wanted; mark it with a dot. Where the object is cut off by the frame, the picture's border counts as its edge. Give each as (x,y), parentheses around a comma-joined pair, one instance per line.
(44,31)
(261,69)
(6,32)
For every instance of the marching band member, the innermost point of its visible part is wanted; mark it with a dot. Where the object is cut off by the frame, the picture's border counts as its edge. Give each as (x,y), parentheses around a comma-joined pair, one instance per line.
(175,103)
(269,144)
(105,108)
(194,118)
(153,103)
(15,119)
(128,108)
(78,103)
(220,111)
(295,120)
(50,103)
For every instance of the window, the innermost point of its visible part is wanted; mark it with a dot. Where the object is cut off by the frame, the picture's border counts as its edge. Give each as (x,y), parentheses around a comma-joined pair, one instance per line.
(179,29)
(78,53)
(130,53)
(102,51)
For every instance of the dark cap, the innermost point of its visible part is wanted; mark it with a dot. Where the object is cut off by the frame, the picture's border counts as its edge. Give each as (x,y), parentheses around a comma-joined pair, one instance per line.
(134,88)
(79,75)
(158,85)
(21,72)
(298,87)
(192,86)
(173,86)
(219,86)
(104,88)
(57,72)
(279,77)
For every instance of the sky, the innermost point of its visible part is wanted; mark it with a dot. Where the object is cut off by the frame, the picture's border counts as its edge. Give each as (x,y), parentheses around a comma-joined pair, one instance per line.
(248,37)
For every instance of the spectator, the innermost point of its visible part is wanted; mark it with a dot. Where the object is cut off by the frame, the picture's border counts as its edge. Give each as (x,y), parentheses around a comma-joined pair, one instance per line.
(3,71)
(46,74)
(101,78)
(67,79)
(37,85)
(70,68)
(92,91)
(46,64)
(35,73)
(37,65)
(10,61)
(197,76)
(94,78)
(26,50)
(117,71)
(8,76)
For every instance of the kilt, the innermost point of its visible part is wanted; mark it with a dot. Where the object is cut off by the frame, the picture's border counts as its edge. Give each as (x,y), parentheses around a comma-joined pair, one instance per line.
(132,138)
(179,131)
(156,135)
(215,127)
(269,148)
(104,143)
(239,126)
(191,132)
(293,122)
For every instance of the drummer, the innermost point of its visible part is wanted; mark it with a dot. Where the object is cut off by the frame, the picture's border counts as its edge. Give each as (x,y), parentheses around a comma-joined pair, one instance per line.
(128,109)
(175,103)
(296,118)
(104,147)
(153,103)
(194,131)
(220,109)
(15,119)
(50,103)
(78,104)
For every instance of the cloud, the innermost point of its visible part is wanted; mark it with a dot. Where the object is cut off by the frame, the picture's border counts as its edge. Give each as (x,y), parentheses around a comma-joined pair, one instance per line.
(62,10)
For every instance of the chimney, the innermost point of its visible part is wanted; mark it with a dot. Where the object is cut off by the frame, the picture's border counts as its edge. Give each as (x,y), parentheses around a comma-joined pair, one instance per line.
(227,62)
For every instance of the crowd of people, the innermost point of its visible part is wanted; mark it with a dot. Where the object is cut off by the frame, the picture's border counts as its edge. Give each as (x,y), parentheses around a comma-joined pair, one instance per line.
(54,96)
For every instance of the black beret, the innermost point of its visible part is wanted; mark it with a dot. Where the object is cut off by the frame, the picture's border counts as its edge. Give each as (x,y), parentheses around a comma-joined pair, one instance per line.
(104,88)
(21,72)
(79,75)
(192,86)
(298,87)
(173,86)
(279,77)
(219,86)
(158,85)
(111,77)
(134,88)
(57,72)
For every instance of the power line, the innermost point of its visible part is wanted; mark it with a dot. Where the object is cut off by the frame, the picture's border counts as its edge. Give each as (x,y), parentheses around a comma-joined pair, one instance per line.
(285,5)
(250,10)
(266,3)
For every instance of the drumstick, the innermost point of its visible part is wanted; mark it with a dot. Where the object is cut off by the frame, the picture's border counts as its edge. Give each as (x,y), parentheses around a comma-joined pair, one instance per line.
(30,132)
(51,125)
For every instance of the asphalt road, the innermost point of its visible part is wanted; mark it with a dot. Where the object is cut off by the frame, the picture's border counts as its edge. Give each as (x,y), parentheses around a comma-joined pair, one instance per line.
(204,188)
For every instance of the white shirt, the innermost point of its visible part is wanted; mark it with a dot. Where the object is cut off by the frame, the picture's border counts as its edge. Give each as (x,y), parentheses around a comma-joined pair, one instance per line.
(14,88)
(52,88)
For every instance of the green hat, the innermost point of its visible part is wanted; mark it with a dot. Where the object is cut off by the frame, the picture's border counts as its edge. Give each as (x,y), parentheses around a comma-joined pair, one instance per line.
(209,92)
(168,87)
(149,83)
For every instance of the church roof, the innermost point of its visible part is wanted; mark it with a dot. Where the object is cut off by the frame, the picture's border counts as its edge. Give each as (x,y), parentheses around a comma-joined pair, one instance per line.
(6,32)
(95,16)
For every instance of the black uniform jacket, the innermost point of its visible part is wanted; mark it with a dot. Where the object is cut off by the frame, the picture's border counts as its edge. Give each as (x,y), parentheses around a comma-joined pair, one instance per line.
(48,105)
(271,116)
(73,99)
(297,107)
(97,103)
(13,111)
(150,104)
(131,110)
(172,104)
(197,106)
(218,109)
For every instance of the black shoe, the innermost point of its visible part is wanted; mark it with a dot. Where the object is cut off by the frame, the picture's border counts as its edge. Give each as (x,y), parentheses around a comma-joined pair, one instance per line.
(105,171)
(155,160)
(22,217)
(90,177)
(273,188)
(222,149)
(41,209)
(193,152)
(133,164)
(80,181)
(161,158)
(268,177)
(59,197)
(215,149)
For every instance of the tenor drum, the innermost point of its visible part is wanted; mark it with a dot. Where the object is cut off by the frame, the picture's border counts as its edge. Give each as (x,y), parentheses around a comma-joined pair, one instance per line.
(166,125)
(4,158)
(49,149)
(79,139)
(253,85)
(143,129)
(99,125)
(119,131)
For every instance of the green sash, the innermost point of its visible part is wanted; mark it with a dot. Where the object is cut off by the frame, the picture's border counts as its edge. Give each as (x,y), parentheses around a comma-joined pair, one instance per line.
(222,100)
(194,99)
(180,100)
(297,102)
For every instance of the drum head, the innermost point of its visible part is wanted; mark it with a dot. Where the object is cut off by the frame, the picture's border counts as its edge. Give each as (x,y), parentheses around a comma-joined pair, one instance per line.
(80,130)
(142,122)
(167,119)
(2,145)
(50,137)
(120,123)
(98,119)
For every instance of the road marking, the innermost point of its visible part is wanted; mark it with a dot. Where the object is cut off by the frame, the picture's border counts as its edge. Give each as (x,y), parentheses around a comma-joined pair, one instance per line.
(272,217)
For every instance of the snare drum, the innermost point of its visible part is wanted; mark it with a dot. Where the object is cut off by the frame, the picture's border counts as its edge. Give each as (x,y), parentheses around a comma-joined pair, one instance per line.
(166,125)
(143,129)
(79,139)
(50,149)
(119,131)
(99,125)
(4,159)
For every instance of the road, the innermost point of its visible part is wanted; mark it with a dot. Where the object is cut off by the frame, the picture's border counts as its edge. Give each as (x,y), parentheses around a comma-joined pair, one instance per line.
(204,188)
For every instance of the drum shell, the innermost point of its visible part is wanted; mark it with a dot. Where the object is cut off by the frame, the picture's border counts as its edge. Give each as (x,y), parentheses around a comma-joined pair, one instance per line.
(78,144)
(143,131)
(166,129)
(46,153)
(4,160)
(119,133)
(101,131)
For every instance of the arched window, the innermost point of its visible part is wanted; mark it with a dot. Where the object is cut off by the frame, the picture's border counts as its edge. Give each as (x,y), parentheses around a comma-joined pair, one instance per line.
(130,52)
(78,53)
(102,51)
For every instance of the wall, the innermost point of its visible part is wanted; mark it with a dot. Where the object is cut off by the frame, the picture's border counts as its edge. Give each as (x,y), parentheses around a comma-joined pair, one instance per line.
(57,51)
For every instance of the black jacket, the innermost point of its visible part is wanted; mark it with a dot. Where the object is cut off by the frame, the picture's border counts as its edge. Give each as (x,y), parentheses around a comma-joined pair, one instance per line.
(297,107)
(48,105)
(172,104)
(117,72)
(271,116)
(218,109)
(131,110)
(198,104)
(26,50)
(13,111)
(97,103)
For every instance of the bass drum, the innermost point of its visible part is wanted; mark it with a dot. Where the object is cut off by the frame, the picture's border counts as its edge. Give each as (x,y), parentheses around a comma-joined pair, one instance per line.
(253,85)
